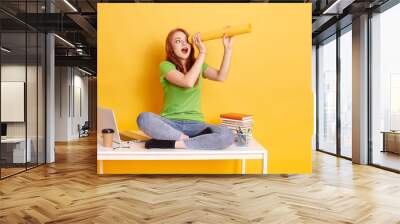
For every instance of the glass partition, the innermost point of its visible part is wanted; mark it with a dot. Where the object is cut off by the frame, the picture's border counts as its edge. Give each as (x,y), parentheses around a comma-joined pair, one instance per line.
(22,88)
(14,153)
(32,96)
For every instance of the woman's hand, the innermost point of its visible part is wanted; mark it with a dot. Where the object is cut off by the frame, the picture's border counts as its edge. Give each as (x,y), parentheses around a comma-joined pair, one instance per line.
(199,44)
(228,42)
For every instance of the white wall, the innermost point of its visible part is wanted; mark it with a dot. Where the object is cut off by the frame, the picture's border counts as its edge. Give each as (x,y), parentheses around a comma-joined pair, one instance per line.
(62,81)
(71,93)
(79,117)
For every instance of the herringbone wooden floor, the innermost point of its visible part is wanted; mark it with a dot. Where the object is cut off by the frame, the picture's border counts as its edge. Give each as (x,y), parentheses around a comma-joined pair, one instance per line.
(70,191)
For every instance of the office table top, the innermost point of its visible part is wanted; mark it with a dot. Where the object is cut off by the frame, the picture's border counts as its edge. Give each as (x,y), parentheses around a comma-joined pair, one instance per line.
(138,148)
(390,132)
(13,140)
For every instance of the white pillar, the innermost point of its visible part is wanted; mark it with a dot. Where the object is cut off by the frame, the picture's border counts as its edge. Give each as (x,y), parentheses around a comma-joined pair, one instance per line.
(50,99)
(360,90)
(50,92)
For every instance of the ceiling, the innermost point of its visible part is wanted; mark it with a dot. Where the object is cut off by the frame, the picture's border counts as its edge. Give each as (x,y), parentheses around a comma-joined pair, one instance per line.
(76,22)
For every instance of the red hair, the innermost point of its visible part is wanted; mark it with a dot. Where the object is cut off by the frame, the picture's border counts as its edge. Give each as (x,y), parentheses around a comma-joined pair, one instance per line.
(171,55)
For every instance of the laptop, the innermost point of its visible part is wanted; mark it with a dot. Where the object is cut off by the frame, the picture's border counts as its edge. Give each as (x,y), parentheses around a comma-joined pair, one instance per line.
(106,119)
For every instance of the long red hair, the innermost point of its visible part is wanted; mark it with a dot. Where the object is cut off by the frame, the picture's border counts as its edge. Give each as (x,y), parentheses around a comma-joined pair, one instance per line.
(171,55)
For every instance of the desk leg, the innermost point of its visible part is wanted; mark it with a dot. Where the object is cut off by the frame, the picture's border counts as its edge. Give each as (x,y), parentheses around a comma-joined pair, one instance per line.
(264,163)
(243,166)
(101,170)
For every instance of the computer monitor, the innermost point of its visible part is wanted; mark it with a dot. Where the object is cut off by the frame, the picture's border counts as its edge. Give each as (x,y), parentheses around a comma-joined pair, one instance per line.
(3,129)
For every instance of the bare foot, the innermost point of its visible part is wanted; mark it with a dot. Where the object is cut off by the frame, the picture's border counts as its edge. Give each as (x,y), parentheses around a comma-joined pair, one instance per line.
(180,144)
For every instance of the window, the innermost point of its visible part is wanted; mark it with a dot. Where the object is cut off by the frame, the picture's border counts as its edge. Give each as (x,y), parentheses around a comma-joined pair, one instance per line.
(346,93)
(327,95)
(385,88)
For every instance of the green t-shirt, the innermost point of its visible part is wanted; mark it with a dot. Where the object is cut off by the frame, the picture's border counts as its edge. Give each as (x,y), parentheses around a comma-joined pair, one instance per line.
(181,103)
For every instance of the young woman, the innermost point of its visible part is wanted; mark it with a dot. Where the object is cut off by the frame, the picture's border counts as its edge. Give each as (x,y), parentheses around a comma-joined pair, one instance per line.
(181,122)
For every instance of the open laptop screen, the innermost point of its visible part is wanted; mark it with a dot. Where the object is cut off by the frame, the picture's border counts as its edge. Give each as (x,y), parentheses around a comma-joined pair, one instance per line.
(106,119)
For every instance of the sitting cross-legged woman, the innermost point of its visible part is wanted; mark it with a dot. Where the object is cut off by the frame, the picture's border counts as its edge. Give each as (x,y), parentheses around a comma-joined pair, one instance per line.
(181,123)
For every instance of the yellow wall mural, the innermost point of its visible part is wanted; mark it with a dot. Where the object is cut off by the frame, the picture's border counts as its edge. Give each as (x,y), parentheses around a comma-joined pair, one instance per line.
(270,76)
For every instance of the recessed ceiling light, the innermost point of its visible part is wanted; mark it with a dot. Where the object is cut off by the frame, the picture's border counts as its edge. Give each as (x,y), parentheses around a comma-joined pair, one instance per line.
(70,5)
(84,71)
(5,50)
(337,7)
(64,40)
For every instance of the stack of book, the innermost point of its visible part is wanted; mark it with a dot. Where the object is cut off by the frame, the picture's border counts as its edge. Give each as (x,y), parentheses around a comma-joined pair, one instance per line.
(238,123)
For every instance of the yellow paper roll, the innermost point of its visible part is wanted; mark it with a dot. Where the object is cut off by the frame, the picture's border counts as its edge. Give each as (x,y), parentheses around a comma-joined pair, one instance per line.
(229,31)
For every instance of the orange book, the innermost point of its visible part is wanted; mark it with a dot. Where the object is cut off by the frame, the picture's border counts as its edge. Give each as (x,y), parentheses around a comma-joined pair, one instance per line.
(133,135)
(236,116)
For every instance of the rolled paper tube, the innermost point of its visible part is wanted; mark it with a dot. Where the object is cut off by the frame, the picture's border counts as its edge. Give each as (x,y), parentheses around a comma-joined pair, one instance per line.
(229,31)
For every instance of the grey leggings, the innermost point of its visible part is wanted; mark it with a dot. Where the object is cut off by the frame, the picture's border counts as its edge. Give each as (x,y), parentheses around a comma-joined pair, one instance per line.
(166,129)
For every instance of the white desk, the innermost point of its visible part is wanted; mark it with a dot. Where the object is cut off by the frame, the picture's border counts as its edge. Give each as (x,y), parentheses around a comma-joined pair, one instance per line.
(136,151)
(19,155)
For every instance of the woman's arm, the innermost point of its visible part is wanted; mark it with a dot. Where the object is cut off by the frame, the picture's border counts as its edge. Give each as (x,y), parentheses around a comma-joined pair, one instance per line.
(189,79)
(221,74)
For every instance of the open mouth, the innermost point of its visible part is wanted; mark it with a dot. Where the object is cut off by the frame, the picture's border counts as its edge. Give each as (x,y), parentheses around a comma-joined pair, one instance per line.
(185,50)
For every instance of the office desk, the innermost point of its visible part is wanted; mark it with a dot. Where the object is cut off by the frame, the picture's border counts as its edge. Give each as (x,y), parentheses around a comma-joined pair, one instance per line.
(136,151)
(391,141)
(17,150)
